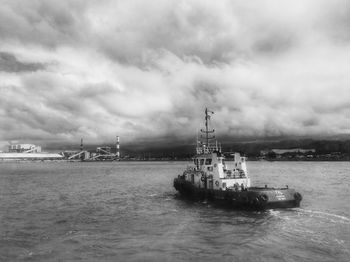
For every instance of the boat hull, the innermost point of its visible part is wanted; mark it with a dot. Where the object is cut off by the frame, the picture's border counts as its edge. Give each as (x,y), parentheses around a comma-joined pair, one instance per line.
(251,198)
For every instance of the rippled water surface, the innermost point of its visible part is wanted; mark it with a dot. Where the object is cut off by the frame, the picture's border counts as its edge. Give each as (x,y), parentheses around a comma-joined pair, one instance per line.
(129,211)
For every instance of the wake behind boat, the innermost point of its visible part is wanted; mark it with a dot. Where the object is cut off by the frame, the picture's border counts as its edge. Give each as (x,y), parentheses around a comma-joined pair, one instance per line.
(209,177)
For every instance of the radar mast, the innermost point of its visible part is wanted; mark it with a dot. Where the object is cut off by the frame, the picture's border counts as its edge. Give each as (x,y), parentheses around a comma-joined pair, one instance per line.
(205,147)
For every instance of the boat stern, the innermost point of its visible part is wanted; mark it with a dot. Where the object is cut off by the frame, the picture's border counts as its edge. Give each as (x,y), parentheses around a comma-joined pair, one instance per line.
(267,198)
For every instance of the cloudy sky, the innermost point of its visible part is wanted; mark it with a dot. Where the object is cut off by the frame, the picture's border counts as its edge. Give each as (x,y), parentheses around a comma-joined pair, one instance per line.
(146,70)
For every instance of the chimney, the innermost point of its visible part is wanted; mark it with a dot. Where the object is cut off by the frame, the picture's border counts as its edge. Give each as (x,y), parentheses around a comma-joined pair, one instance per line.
(117,148)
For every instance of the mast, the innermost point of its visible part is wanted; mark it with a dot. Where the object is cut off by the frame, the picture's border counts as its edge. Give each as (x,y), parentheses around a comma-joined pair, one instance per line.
(207,131)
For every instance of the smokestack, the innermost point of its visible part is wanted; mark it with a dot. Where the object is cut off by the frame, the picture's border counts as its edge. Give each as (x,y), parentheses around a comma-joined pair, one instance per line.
(81,145)
(82,155)
(117,148)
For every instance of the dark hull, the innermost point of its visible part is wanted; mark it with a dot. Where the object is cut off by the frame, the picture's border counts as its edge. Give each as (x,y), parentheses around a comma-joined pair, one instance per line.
(252,198)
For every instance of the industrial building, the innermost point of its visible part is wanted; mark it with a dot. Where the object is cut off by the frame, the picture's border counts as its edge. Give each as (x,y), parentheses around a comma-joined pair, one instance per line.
(102,153)
(22,152)
(24,148)
(33,152)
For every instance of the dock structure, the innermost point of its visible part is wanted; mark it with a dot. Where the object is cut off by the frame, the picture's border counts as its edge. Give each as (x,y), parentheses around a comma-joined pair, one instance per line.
(102,153)
(106,153)
(78,155)
(27,152)
(29,156)
(82,155)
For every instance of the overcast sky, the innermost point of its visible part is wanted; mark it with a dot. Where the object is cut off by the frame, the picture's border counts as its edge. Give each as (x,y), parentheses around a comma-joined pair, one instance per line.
(147,69)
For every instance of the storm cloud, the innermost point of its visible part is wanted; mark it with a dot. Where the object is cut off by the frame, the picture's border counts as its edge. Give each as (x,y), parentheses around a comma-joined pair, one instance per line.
(147,69)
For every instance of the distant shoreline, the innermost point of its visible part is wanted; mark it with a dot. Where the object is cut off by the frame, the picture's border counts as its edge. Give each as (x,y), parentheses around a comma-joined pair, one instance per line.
(160,160)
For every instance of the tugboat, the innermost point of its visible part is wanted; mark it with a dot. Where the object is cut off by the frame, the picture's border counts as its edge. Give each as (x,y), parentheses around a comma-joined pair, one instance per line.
(210,178)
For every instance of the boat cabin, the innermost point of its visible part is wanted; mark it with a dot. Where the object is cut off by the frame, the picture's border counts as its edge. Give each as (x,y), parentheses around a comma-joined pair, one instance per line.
(210,171)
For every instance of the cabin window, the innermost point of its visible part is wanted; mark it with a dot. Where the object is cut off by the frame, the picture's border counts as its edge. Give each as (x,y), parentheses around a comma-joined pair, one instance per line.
(192,178)
(224,185)
(196,163)
(208,161)
(202,162)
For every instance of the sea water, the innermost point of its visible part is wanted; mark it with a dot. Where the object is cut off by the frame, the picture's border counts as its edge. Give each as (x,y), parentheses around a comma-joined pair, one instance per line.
(129,211)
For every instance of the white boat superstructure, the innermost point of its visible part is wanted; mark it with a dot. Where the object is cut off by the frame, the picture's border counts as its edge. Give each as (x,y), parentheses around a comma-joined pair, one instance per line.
(209,169)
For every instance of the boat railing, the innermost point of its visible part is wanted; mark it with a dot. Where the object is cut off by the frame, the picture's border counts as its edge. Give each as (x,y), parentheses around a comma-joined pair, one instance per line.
(235,174)
(206,149)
